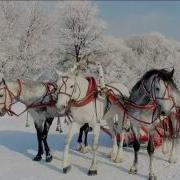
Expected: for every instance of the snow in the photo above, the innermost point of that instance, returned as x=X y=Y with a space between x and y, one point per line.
x=18 y=146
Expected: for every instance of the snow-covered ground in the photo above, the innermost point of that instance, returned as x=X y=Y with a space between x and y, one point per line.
x=18 y=145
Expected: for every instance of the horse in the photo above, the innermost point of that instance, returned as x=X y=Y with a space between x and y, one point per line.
x=153 y=96
x=85 y=108
x=40 y=103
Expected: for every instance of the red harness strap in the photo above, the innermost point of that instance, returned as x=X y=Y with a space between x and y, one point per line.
x=123 y=106
x=90 y=95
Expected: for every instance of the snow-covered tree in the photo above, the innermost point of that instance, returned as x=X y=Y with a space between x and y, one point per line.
x=24 y=38
x=134 y=55
x=79 y=31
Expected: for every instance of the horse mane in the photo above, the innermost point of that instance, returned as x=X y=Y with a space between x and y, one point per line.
x=161 y=73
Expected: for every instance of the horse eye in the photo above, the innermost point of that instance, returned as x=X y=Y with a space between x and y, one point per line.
x=157 y=89
x=71 y=86
x=1 y=95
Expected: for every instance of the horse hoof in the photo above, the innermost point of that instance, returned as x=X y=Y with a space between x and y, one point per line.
x=171 y=161
x=133 y=171
x=92 y=172
x=49 y=158
x=66 y=169
x=60 y=131
x=37 y=158
x=152 y=177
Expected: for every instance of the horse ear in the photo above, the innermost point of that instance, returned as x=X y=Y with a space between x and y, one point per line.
x=171 y=73
x=3 y=81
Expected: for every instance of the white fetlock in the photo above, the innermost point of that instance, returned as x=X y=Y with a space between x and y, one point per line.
x=85 y=149
x=79 y=147
x=113 y=156
x=119 y=159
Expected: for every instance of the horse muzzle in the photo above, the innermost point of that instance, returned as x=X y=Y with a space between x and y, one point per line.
x=163 y=113
x=62 y=108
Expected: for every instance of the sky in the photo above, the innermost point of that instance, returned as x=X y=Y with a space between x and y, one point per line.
x=126 y=18
x=136 y=17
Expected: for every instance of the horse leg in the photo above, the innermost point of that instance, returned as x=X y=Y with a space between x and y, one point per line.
x=80 y=145
x=165 y=146
x=114 y=149
x=93 y=167
x=85 y=148
x=150 y=150
x=136 y=146
x=66 y=160
x=172 y=157
x=38 y=157
x=119 y=157
x=85 y=137
x=47 y=125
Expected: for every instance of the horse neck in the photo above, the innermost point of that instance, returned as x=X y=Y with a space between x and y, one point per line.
x=29 y=92
x=138 y=97
x=13 y=87
x=82 y=83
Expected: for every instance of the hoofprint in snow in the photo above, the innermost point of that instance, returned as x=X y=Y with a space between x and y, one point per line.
x=18 y=146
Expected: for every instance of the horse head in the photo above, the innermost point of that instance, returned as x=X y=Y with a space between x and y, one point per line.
x=158 y=85
x=71 y=88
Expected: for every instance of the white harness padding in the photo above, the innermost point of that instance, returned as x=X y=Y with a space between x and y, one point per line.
x=101 y=76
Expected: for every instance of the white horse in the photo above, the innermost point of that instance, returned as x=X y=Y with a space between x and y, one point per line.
x=154 y=95
x=72 y=92
x=119 y=127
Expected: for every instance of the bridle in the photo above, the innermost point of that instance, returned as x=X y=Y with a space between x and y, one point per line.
x=11 y=95
x=152 y=94
x=64 y=85
x=153 y=105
